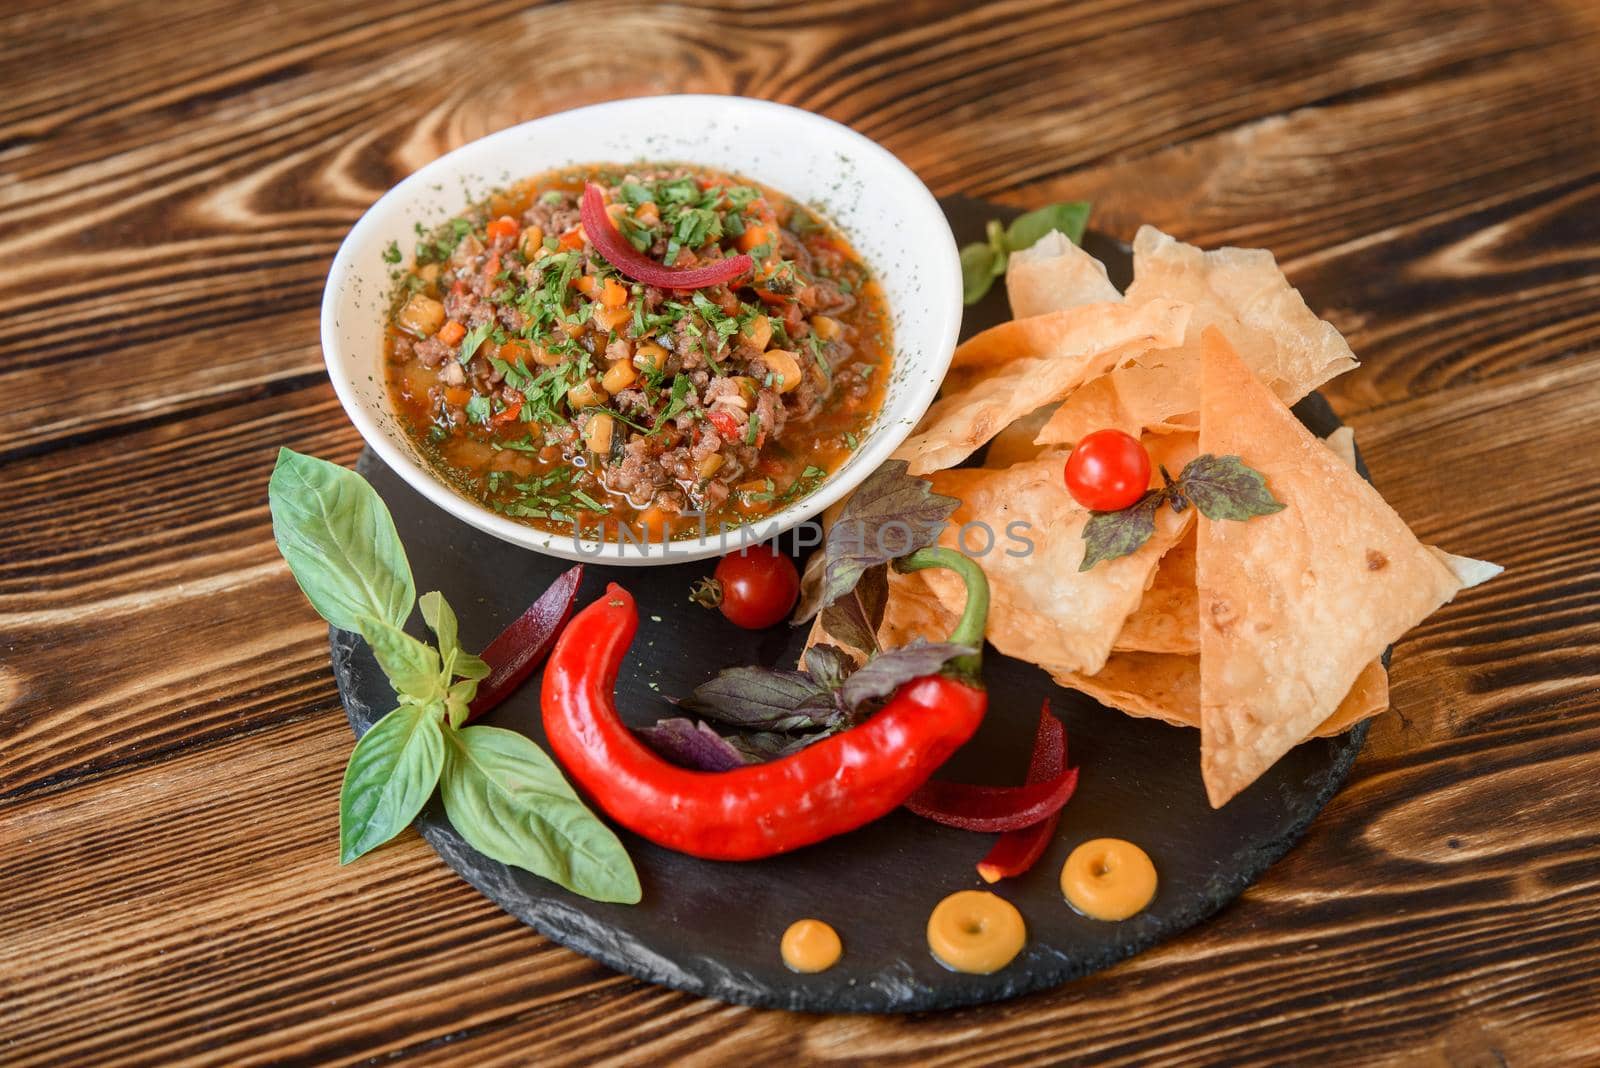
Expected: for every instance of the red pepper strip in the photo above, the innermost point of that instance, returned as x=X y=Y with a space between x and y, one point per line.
x=1017 y=851
x=523 y=645
x=1001 y=808
x=758 y=810
x=620 y=253
x=992 y=808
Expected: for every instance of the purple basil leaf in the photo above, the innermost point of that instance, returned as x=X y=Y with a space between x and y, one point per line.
x=764 y=699
x=890 y=515
x=1108 y=535
x=855 y=617
x=760 y=746
x=829 y=665
x=1224 y=487
x=691 y=745
x=888 y=671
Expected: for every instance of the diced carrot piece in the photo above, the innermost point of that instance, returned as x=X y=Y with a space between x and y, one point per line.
x=514 y=353
x=609 y=318
x=509 y=414
x=655 y=523
x=613 y=295
x=457 y=396
x=754 y=237
x=572 y=239
x=589 y=286
x=492 y=267
x=452 y=332
x=505 y=226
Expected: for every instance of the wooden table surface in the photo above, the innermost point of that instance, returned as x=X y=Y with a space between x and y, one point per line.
x=174 y=179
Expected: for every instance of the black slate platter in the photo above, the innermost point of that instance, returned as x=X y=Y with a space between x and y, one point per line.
x=713 y=928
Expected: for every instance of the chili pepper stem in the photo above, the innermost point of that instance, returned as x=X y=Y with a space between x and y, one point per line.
x=969 y=628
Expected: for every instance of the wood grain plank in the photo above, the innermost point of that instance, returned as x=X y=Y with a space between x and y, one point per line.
x=171 y=739
x=218 y=201
x=305 y=961
x=227 y=819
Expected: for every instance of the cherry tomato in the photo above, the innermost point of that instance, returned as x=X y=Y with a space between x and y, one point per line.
x=754 y=587
x=1108 y=470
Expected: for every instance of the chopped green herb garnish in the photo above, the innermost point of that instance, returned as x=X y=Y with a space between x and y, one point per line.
x=474 y=338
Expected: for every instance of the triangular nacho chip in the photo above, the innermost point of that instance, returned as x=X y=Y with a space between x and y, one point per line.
x=1055 y=274
x=1293 y=605
x=1167 y=687
x=1041 y=607
x=1241 y=292
x=1368 y=697
x=1088 y=342
x=1168 y=617
x=1343 y=443
x=1014 y=444
x=1160 y=686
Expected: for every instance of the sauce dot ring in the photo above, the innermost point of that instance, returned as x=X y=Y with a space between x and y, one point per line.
x=976 y=932
x=1108 y=879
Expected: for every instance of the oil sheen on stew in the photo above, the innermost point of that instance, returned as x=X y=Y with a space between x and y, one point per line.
x=544 y=383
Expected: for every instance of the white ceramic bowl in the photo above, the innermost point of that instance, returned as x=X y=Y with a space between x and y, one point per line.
x=889 y=215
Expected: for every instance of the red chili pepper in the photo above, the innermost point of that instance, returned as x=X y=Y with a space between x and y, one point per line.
x=1017 y=851
x=1005 y=808
x=620 y=253
x=827 y=788
x=523 y=645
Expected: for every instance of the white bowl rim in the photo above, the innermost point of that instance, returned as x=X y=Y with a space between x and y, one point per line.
x=869 y=456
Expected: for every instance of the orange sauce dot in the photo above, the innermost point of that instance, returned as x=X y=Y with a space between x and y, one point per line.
x=810 y=946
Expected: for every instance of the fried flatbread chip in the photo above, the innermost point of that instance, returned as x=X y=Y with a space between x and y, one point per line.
x=1014 y=444
x=914 y=611
x=1088 y=342
x=1055 y=274
x=1294 y=605
x=1343 y=443
x=1239 y=291
x=1162 y=686
x=1168 y=617
x=1041 y=607
x=1167 y=687
x=1368 y=697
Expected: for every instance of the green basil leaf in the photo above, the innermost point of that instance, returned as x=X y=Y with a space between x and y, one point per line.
x=1070 y=218
x=1109 y=535
x=441 y=619
x=508 y=799
x=458 y=701
x=1224 y=487
x=339 y=541
x=980 y=266
x=413 y=667
x=390 y=776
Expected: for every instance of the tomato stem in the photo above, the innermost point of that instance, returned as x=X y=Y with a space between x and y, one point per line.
x=969 y=628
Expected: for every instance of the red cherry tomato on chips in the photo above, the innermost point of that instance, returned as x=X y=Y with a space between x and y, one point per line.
x=754 y=587
x=1108 y=470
